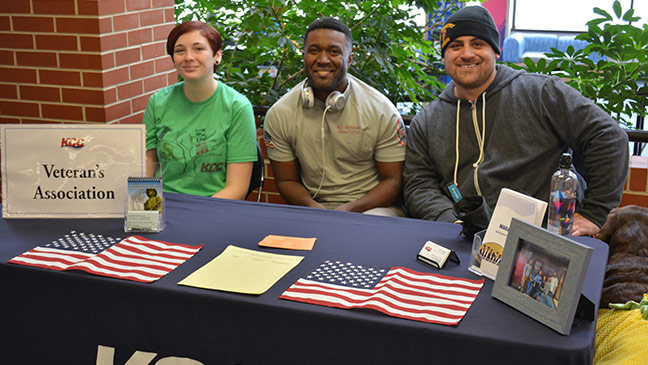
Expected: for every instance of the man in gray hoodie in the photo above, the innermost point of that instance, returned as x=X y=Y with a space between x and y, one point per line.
x=494 y=127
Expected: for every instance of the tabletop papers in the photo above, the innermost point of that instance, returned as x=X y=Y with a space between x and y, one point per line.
x=397 y=291
x=289 y=243
x=241 y=270
x=133 y=258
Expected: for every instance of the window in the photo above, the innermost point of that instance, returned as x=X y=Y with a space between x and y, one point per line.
x=565 y=15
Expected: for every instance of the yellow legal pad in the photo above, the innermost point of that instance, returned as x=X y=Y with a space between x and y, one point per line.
x=241 y=270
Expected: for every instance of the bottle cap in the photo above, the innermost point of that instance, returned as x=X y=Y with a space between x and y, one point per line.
x=565 y=161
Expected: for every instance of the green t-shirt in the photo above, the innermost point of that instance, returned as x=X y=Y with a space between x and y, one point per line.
x=196 y=141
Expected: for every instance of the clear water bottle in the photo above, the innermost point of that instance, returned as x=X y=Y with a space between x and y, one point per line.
x=562 y=199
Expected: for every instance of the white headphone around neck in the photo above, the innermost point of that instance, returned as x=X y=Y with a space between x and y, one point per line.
x=334 y=102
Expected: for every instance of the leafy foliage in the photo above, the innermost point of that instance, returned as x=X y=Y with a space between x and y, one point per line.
x=262 y=53
x=617 y=83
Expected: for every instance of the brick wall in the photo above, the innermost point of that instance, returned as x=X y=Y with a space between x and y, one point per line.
x=82 y=61
x=635 y=190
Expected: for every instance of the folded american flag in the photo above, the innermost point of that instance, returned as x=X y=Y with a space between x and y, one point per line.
x=134 y=258
x=398 y=292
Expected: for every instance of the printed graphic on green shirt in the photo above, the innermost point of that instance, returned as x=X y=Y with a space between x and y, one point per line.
x=192 y=153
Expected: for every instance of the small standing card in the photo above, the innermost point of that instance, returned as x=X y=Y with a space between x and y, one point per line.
x=144 y=205
x=436 y=255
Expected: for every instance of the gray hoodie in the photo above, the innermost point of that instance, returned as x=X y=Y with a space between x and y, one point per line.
x=530 y=119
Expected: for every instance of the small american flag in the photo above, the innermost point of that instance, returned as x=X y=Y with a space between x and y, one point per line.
x=397 y=292
x=134 y=258
x=268 y=140
x=66 y=251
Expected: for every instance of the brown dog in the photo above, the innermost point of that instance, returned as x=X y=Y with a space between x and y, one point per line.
x=626 y=274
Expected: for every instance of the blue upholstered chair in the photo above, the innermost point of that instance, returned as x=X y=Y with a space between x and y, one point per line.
x=521 y=45
x=534 y=45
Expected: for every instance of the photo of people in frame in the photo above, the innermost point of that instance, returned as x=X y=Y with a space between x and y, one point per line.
x=538 y=274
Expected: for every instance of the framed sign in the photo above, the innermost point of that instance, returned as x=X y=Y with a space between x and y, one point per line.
x=541 y=274
x=69 y=170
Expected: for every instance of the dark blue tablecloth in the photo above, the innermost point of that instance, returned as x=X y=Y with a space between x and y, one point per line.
x=50 y=317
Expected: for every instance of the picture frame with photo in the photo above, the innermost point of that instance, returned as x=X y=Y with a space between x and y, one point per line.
x=541 y=274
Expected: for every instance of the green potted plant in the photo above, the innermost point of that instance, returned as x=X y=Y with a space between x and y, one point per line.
x=262 y=55
x=617 y=82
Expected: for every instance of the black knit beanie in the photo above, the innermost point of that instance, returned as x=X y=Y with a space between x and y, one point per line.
x=471 y=20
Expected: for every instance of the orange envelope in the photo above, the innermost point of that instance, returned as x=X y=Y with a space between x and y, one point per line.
x=290 y=243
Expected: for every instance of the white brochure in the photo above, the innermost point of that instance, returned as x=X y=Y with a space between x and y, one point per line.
x=487 y=253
